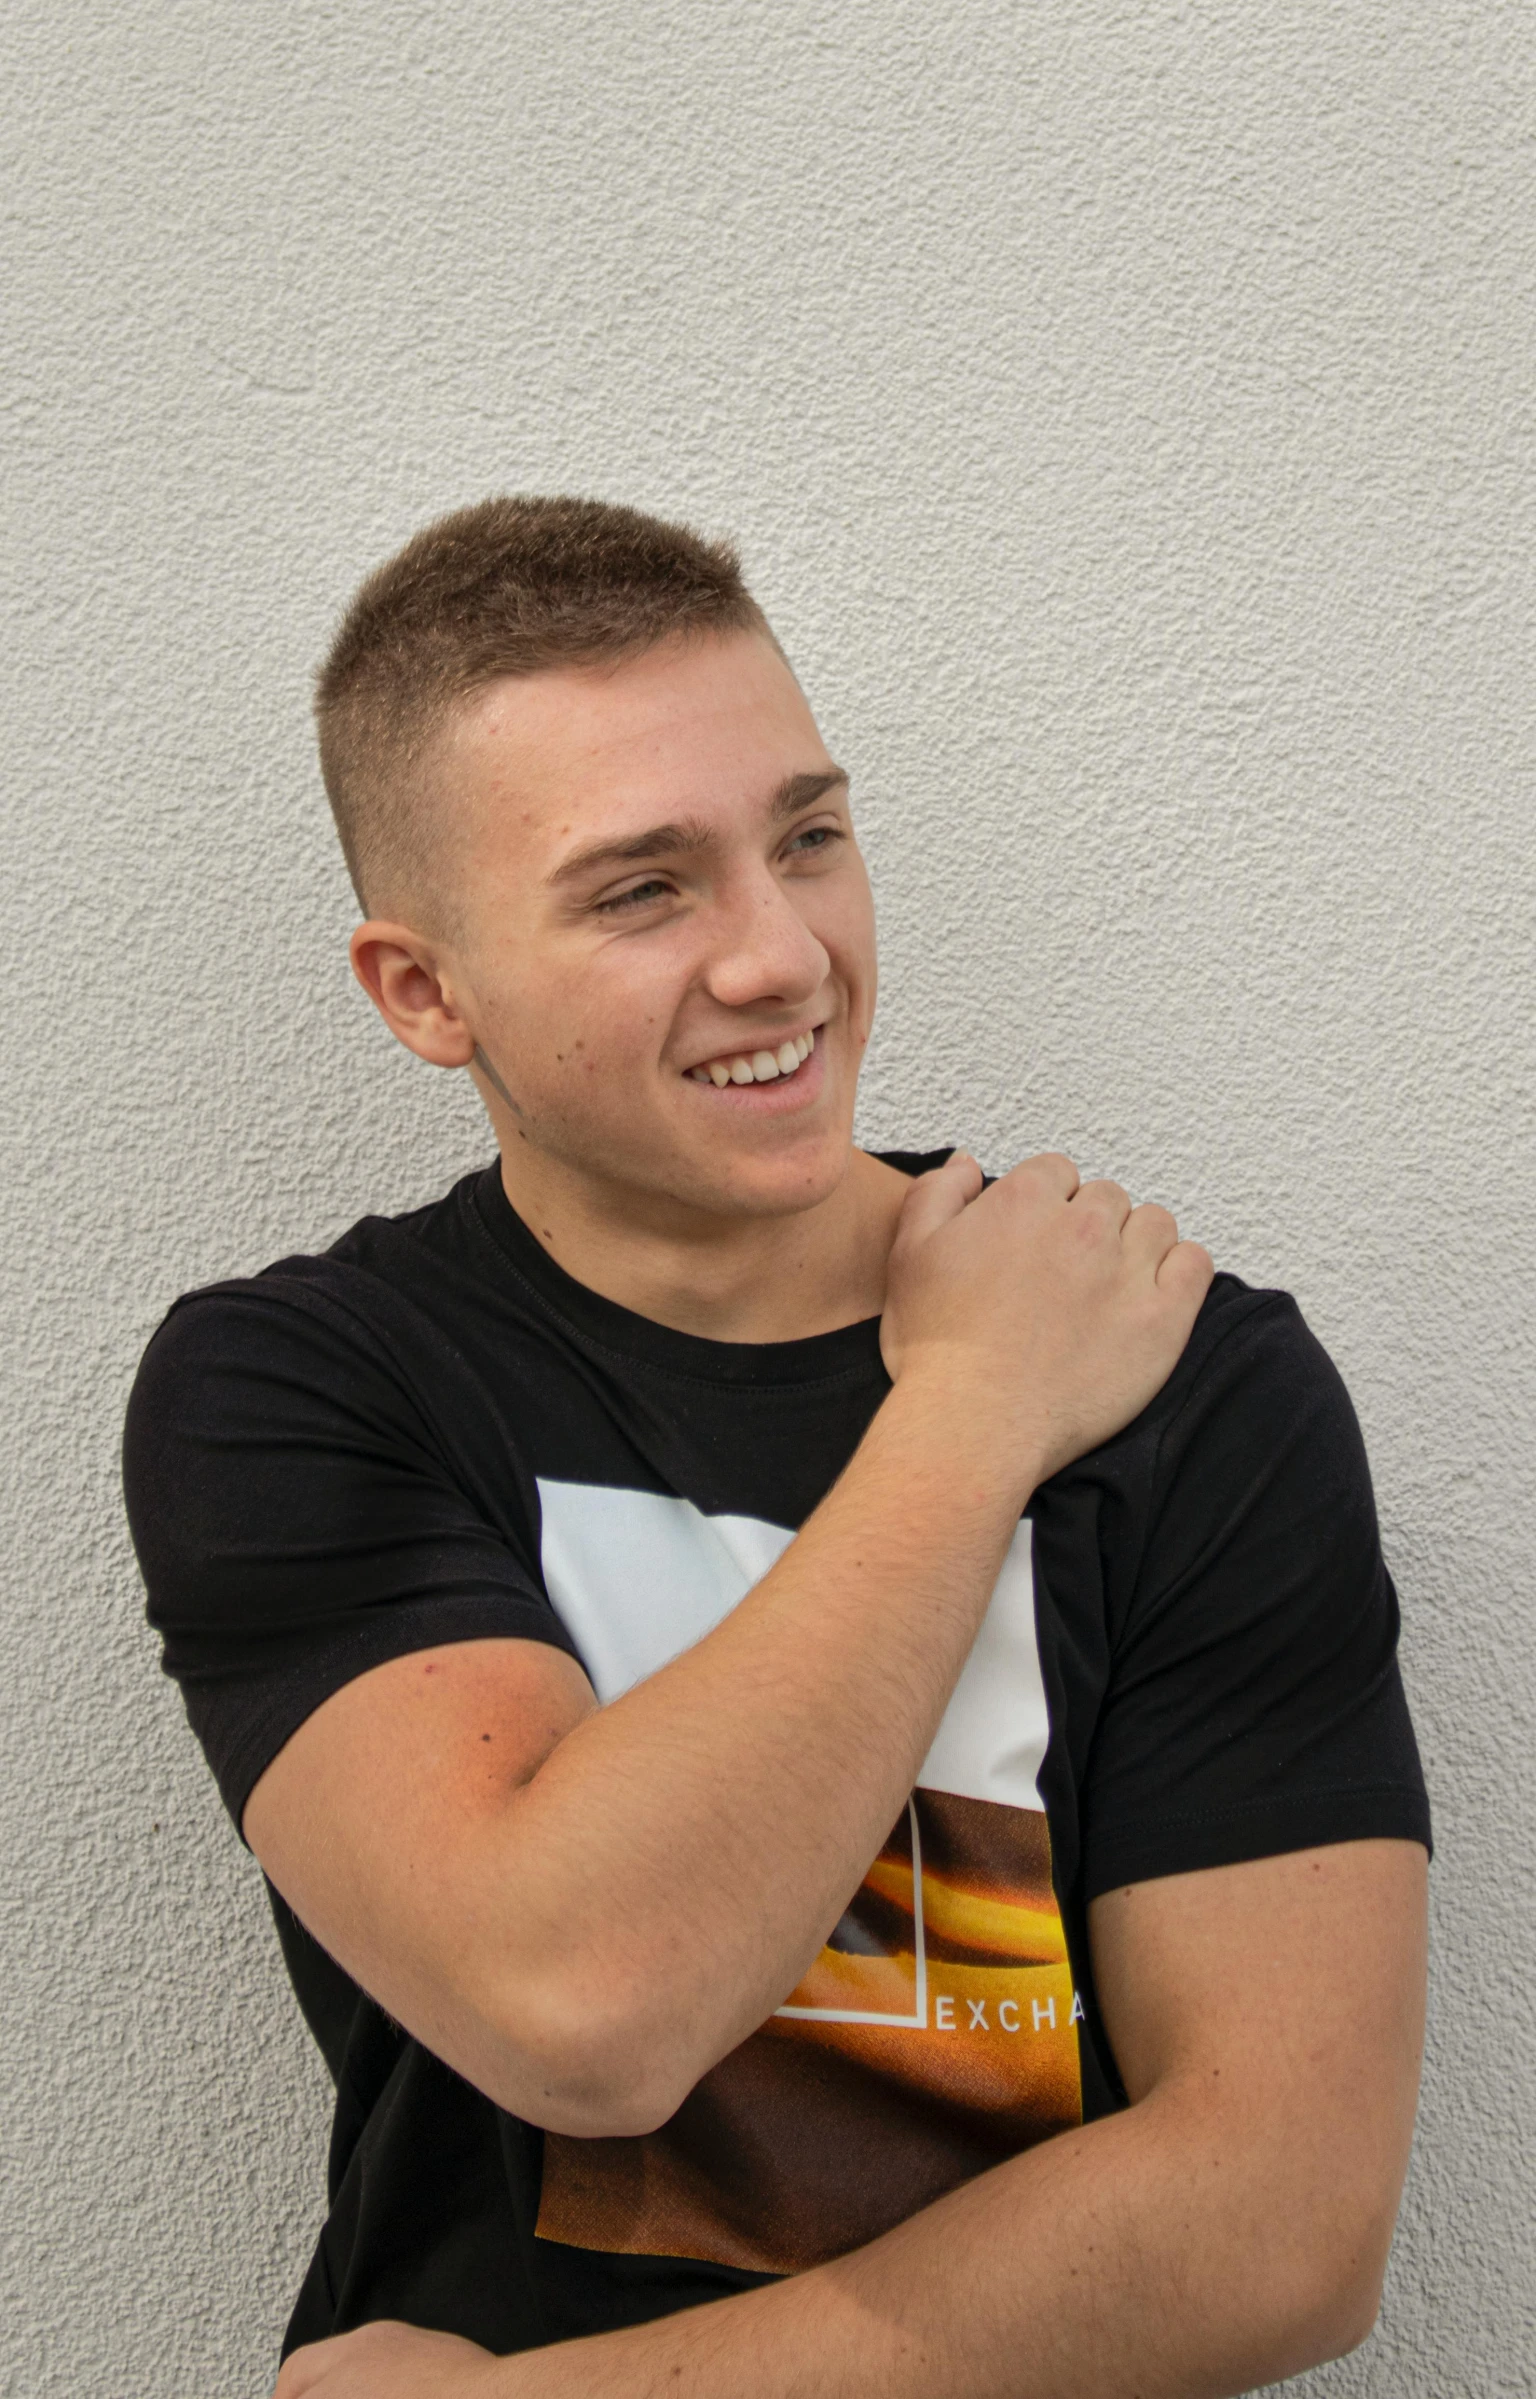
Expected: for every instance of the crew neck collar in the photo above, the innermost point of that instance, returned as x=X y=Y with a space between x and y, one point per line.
x=849 y=1350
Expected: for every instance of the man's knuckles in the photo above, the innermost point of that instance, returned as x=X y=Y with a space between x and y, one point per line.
x=1102 y=1198
x=1151 y=1230
x=1187 y=1270
x=1056 y=1170
x=1036 y=1182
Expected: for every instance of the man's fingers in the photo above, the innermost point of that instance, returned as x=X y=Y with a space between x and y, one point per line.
x=1149 y=1233
x=944 y=1192
x=1182 y=1270
x=1110 y=1199
x=1052 y=1169
x=1186 y=1272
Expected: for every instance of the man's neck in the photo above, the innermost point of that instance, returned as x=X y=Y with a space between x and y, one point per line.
x=724 y=1278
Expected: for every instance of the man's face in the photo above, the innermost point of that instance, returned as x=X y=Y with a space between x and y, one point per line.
x=660 y=879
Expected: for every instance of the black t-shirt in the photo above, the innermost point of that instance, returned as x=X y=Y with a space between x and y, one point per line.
x=433 y=1434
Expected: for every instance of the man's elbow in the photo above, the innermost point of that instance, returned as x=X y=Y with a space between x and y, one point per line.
x=1343 y=2314
x=584 y=2064
x=1329 y=2302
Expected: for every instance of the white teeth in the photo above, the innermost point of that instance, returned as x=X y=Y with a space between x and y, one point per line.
x=758 y=1066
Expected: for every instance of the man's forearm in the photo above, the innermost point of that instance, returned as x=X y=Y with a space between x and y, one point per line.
x=1229 y=2229
x=727 y=1806
x=1147 y=2256
x=532 y=1885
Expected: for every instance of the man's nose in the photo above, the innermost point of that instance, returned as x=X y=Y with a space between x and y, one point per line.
x=764 y=950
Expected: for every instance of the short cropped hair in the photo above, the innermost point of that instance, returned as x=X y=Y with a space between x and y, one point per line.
x=505 y=587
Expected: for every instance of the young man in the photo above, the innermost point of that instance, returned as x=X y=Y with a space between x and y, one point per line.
x=826 y=1738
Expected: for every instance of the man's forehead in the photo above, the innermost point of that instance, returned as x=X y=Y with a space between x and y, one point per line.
x=578 y=751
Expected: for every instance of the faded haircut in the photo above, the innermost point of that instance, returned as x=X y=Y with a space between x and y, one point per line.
x=506 y=587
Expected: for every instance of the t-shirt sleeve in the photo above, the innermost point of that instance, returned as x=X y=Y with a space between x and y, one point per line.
x=296 y=1520
x=1254 y=1704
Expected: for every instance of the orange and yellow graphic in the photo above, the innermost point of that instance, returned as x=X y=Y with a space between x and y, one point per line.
x=935 y=2036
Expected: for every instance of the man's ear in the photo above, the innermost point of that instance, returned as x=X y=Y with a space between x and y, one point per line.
x=404 y=974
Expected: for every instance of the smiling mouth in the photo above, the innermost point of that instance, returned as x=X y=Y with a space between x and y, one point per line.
x=756 y=1066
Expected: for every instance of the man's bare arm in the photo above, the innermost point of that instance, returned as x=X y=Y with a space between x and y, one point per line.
x=527 y=1882
x=1230 y=2228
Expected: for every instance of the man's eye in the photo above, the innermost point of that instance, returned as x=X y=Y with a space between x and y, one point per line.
x=639 y=895
x=812 y=840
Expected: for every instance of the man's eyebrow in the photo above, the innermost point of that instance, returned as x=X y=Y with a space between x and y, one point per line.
x=795 y=793
x=657 y=841
x=803 y=791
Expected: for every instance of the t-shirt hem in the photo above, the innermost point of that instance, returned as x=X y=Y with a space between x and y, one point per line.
x=328 y=1668
x=1235 y=1836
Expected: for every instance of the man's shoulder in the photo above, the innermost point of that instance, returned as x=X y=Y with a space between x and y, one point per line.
x=1255 y=1389
x=375 y=1255
x=1242 y=1329
x=317 y=1320
x=1245 y=1337
x=1255 y=1366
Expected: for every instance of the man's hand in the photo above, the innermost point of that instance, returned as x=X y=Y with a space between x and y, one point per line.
x=391 y=2361
x=1051 y=1310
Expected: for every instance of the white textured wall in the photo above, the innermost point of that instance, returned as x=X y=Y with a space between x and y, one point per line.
x=1127 y=413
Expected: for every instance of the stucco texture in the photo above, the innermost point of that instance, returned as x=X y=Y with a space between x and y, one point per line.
x=1125 y=411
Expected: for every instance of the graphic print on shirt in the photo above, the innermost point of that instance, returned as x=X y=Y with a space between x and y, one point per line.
x=936 y=2033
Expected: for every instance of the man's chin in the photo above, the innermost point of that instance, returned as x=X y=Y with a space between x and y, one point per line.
x=753 y=1178
x=724 y=1177
x=752 y=1183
